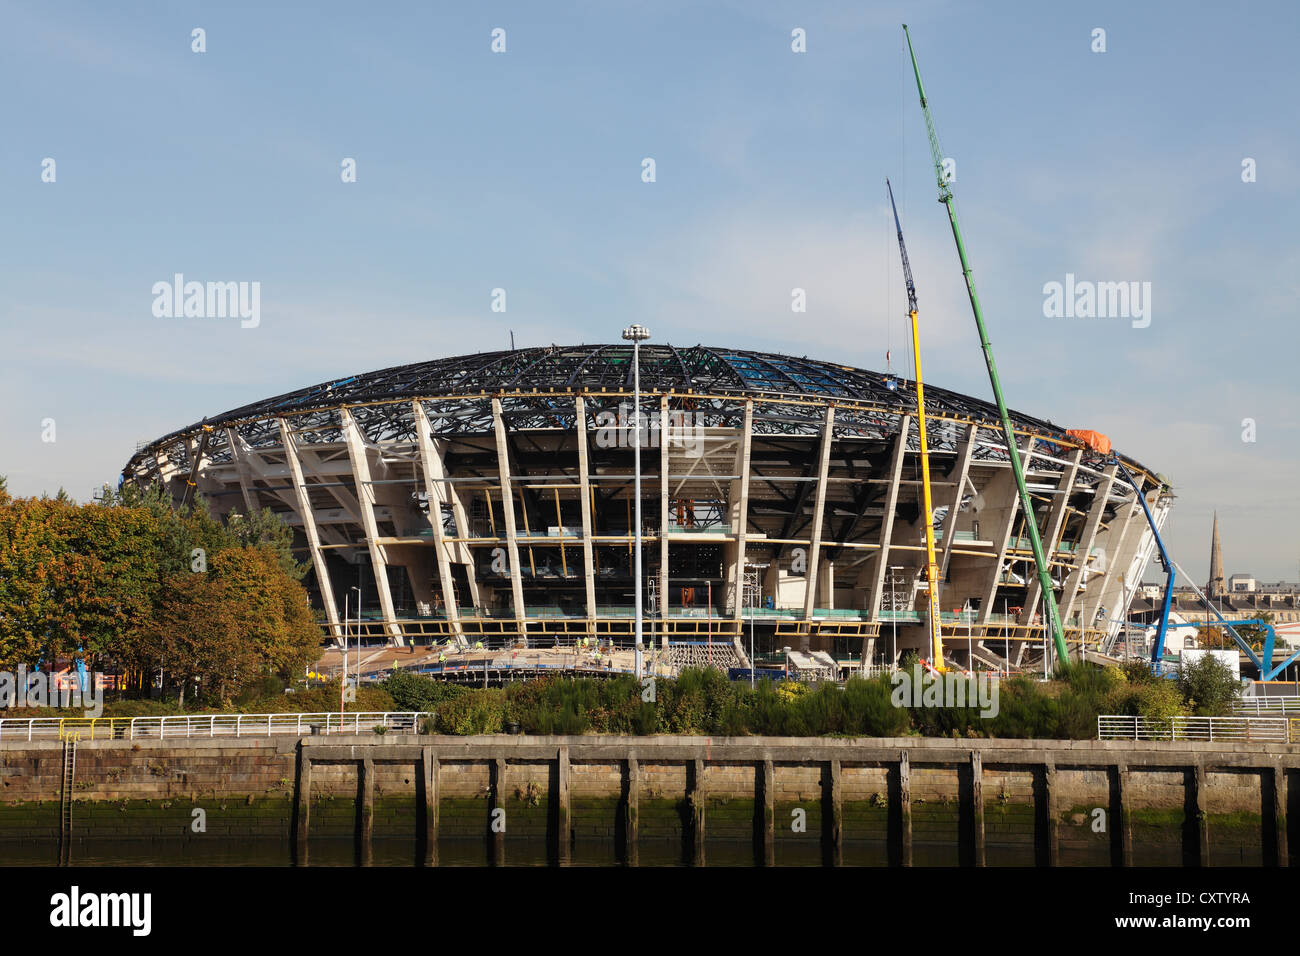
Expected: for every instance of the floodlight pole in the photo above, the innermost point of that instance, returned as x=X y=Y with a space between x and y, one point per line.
x=893 y=619
x=345 y=649
x=636 y=334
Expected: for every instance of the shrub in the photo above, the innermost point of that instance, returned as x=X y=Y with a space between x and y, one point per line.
x=1208 y=687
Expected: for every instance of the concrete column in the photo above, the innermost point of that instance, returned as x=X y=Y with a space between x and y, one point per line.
x=697 y=812
x=435 y=473
x=819 y=509
x=631 y=819
x=740 y=509
x=309 y=528
x=508 y=508
x=584 y=491
x=977 y=806
x=235 y=443
x=887 y=522
x=563 y=825
x=462 y=549
x=1069 y=592
x=1109 y=586
x=905 y=806
x=1052 y=533
x=360 y=460
x=1002 y=538
x=965 y=451
x=429 y=776
x=769 y=813
x=836 y=814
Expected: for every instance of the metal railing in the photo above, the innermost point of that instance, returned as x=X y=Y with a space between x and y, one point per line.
x=203 y=725
x=1267 y=705
x=1254 y=729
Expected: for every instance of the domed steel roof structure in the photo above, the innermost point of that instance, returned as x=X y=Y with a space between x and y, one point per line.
x=491 y=496
x=593 y=368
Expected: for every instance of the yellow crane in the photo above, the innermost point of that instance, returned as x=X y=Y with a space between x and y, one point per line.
x=931 y=565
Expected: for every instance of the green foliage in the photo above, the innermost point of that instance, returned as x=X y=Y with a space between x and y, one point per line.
x=1208 y=687
x=119 y=583
x=412 y=692
x=1139 y=672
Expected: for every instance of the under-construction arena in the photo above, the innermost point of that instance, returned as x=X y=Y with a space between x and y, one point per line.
x=489 y=499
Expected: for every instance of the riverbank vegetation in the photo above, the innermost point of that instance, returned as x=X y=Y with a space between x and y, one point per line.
x=130 y=585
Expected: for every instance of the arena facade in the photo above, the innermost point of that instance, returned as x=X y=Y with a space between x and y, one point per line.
x=489 y=497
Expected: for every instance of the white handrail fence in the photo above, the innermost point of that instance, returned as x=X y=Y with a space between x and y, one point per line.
x=206 y=725
x=1253 y=729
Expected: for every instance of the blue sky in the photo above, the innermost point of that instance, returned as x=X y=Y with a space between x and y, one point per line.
x=522 y=170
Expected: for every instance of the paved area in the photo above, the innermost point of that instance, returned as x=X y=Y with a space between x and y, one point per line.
x=379 y=659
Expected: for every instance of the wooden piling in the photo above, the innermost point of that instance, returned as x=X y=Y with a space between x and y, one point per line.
x=905 y=806
x=367 y=768
x=697 y=813
x=1049 y=816
x=497 y=824
x=769 y=814
x=1197 y=783
x=303 y=809
x=1121 y=814
x=1281 y=851
x=429 y=776
x=977 y=807
x=837 y=814
x=563 y=824
x=631 y=811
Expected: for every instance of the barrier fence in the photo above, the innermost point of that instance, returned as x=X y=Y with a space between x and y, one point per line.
x=1267 y=705
x=1256 y=729
x=204 y=725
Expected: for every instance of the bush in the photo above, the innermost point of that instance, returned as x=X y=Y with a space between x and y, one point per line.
x=412 y=692
x=1208 y=687
x=481 y=711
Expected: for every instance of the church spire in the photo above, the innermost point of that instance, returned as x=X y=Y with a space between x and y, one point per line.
x=1218 y=585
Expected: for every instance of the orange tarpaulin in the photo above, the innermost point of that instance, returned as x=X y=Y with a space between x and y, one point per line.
x=1094 y=440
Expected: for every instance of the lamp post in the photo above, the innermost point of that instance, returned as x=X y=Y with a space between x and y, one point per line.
x=343 y=684
x=786 y=651
x=893 y=619
x=636 y=334
x=970 y=650
x=345 y=650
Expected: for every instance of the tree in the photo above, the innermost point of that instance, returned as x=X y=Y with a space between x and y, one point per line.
x=265 y=529
x=1208 y=686
x=274 y=609
x=196 y=636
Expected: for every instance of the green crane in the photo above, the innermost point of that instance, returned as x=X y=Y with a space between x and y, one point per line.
x=1013 y=451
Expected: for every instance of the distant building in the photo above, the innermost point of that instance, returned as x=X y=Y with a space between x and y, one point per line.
x=1216 y=586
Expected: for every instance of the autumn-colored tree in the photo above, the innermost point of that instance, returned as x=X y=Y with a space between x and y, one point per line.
x=275 y=609
x=196 y=636
x=130 y=580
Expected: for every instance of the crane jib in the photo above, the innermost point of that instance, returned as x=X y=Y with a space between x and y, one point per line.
x=1014 y=451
